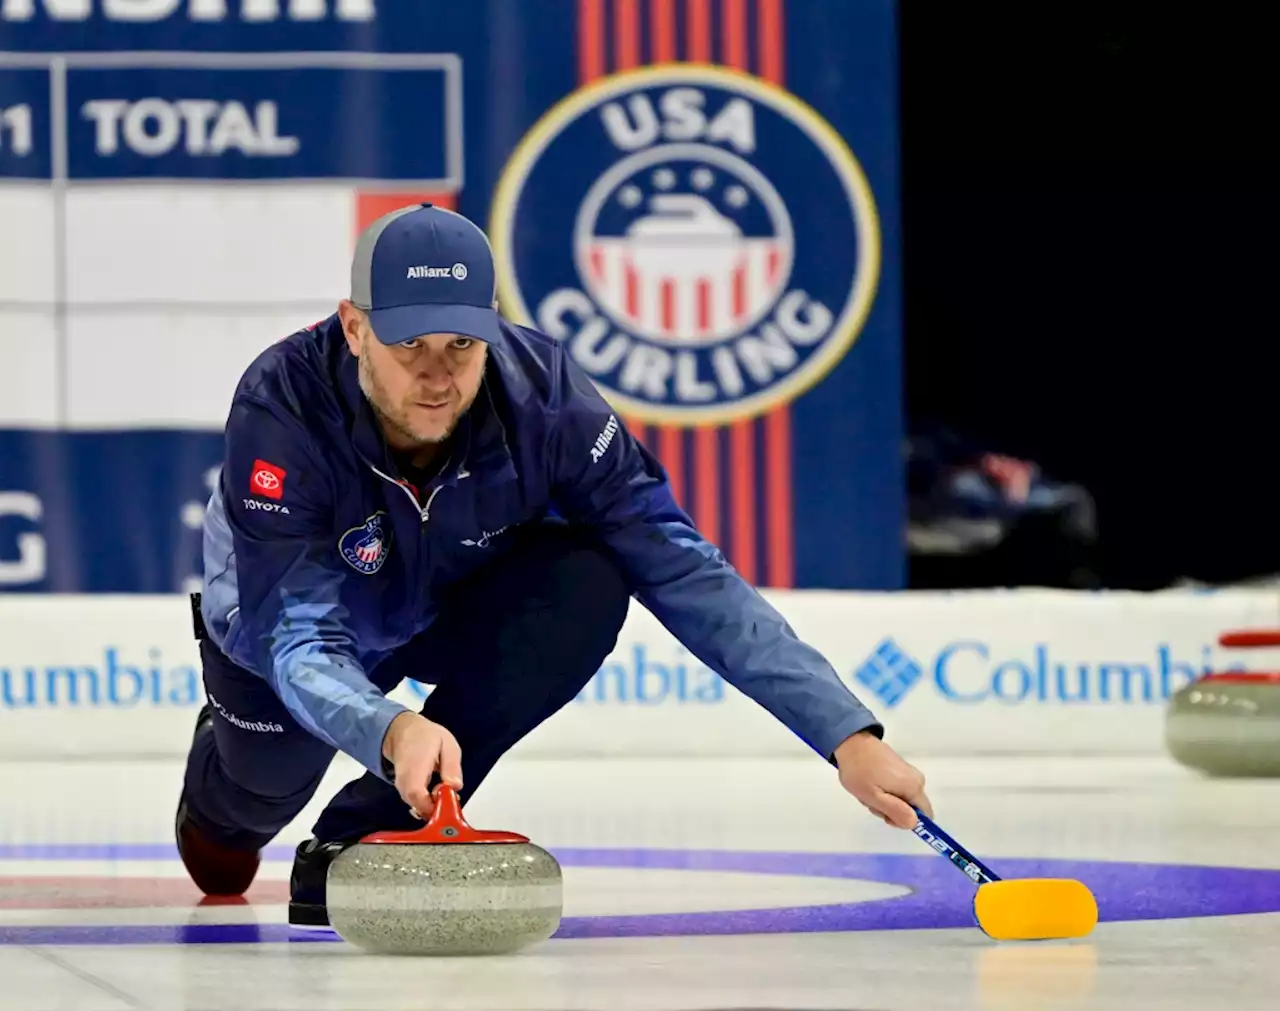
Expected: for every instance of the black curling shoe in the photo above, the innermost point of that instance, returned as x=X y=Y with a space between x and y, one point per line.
x=307 y=882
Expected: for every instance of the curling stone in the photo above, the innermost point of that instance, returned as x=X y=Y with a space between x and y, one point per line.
x=1227 y=725
x=444 y=889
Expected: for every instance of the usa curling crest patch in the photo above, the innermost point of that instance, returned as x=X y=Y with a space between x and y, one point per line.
x=703 y=242
x=365 y=547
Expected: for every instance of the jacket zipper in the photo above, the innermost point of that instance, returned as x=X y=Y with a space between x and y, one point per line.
x=423 y=510
x=426 y=509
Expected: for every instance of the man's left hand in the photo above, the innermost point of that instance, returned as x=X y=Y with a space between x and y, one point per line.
x=881 y=780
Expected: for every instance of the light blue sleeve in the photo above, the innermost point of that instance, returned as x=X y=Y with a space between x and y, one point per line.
x=606 y=479
x=291 y=626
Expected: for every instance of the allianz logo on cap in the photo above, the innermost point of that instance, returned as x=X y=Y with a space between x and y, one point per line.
x=458 y=272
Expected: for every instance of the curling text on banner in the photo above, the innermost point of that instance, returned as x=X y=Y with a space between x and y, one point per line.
x=1031 y=672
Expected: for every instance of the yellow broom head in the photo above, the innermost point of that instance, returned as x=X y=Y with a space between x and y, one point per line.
x=1035 y=909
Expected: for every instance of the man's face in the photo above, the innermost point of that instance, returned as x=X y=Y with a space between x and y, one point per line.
x=419 y=389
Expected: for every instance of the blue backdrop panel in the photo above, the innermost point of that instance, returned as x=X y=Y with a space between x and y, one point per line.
x=103 y=512
x=585 y=135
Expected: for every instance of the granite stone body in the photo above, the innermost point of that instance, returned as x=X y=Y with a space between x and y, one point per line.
x=445 y=899
x=1226 y=727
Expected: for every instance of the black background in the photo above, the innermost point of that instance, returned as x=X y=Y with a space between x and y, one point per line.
x=1091 y=202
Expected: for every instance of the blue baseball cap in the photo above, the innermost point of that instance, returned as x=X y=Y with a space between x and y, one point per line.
x=423 y=269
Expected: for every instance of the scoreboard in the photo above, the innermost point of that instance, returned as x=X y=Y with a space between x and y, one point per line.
x=143 y=117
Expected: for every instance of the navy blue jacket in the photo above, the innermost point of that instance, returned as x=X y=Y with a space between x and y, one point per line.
x=319 y=560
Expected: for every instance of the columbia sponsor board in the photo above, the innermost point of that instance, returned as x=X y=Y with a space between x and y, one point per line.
x=966 y=673
x=1032 y=671
x=83 y=676
x=1028 y=671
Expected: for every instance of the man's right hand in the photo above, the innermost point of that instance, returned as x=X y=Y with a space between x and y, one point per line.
x=417 y=748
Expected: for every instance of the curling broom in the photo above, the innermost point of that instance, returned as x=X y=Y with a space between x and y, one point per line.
x=1023 y=909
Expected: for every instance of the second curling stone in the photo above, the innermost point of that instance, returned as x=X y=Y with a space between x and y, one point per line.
x=1227 y=725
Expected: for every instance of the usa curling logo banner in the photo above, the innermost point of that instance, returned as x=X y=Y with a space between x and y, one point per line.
x=686 y=283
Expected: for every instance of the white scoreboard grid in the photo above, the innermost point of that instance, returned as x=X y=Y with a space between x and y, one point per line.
x=164 y=207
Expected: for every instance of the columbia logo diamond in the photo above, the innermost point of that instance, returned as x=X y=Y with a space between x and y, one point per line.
x=889 y=672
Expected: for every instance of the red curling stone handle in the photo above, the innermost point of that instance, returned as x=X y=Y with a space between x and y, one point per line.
x=1250 y=638
x=446 y=825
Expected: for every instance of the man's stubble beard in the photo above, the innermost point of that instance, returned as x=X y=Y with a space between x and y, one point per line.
x=376 y=396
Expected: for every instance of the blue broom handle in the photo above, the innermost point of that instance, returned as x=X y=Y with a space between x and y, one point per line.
x=974 y=868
